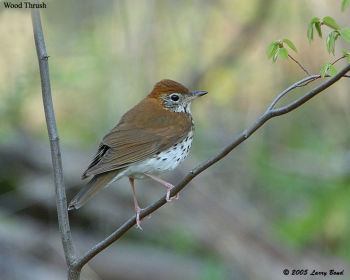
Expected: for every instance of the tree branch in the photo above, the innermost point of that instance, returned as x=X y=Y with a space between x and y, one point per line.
x=340 y=58
x=269 y=113
x=299 y=64
x=300 y=83
x=61 y=200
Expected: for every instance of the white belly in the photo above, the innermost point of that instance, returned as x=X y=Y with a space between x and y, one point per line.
x=164 y=161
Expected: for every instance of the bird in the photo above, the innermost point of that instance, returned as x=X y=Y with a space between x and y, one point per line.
x=153 y=137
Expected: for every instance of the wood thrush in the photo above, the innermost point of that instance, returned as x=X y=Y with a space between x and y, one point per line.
x=153 y=137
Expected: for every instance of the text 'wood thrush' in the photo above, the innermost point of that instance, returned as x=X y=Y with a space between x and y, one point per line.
x=153 y=137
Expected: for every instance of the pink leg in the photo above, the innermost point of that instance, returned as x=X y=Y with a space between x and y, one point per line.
x=166 y=184
x=137 y=207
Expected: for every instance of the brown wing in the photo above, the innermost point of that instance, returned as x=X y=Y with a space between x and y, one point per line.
x=142 y=132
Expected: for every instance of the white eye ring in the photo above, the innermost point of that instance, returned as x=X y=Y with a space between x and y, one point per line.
x=174 y=97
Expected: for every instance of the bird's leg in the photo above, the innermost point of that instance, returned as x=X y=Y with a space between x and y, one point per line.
x=166 y=184
x=137 y=207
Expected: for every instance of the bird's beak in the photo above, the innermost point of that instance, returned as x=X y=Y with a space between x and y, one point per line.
x=198 y=93
x=194 y=95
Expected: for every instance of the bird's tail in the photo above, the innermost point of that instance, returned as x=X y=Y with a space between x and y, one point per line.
x=97 y=183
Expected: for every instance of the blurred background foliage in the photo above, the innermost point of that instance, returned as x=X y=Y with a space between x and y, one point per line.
x=285 y=191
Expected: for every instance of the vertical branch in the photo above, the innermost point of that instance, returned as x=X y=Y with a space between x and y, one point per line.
x=61 y=200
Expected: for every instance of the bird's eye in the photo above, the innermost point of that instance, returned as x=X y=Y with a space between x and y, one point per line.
x=174 y=97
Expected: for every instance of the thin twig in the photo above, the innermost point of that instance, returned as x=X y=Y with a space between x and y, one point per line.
x=308 y=82
x=61 y=200
x=290 y=107
x=301 y=66
x=317 y=77
x=269 y=113
x=297 y=84
x=335 y=61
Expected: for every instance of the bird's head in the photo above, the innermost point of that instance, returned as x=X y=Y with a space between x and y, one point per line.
x=174 y=96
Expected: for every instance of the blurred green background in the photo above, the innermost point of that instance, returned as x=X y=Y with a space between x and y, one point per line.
x=280 y=200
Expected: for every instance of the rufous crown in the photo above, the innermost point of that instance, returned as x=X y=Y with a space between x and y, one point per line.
x=167 y=86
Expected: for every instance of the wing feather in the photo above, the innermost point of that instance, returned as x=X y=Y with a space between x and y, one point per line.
x=142 y=132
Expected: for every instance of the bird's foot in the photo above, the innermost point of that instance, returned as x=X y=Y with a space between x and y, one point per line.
x=169 y=188
x=138 y=220
x=166 y=184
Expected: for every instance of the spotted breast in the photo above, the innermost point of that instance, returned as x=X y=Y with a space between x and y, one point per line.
x=162 y=161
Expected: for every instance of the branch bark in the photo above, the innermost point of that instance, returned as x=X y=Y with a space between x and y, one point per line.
x=75 y=264
x=61 y=200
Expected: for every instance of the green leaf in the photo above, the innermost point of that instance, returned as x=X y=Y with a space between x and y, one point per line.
x=328 y=69
x=272 y=49
x=330 y=22
x=310 y=32
x=332 y=70
x=315 y=19
x=344 y=5
x=345 y=33
x=336 y=36
x=318 y=28
x=283 y=53
x=324 y=69
x=346 y=54
x=330 y=42
x=290 y=44
x=276 y=55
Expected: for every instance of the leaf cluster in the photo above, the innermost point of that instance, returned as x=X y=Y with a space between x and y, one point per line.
x=277 y=48
x=332 y=36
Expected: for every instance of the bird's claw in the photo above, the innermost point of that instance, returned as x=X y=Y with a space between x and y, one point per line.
x=168 y=198
x=138 y=220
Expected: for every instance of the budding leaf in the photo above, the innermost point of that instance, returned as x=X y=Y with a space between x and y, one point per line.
x=318 y=28
x=344 y=5
x=272 y=49
x=345 y=33
x=310 y=32
x=330 y=41
x=324 y=69
x=330 y=22
x=290 y=44
x=276 y=55
x=346 y=54
x=332 y=70
x=315 y=19
x=283 y=53
x=328 y=69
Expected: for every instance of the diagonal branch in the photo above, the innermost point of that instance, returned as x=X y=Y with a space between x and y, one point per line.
x=269 y=113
